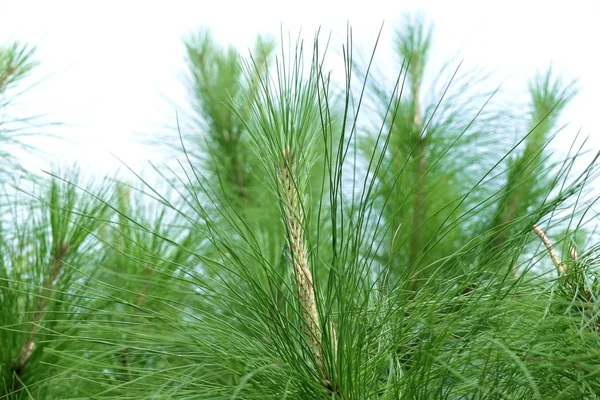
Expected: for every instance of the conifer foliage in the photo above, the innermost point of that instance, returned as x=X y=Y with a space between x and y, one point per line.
x=366 y=237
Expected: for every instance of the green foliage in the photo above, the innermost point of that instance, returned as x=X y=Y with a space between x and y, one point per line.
x=216 y=82
x=16 y=63
x=389 y=242
x=45 y=248
x=528 y=183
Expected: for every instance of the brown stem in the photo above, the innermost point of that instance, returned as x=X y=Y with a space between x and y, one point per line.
x=560 y=266
x=41 y=307
x=4 y=77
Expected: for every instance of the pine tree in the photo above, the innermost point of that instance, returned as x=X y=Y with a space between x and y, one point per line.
x=367 y=239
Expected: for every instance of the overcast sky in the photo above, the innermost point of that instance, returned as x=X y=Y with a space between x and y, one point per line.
x=108 y=68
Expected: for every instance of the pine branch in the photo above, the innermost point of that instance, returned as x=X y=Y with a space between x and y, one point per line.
x=560 y=266
x=16 y=62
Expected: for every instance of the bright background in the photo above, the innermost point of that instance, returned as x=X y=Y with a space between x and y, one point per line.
x=113 y=70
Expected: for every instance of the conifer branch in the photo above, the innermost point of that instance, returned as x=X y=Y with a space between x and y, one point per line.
x=40 y=311
x=560 y=266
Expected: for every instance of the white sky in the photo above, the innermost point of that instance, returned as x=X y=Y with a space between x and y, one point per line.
x=107 y=67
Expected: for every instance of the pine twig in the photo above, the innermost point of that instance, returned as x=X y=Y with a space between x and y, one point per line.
x=40 y=309
x=294 y=219
x=560 y=266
